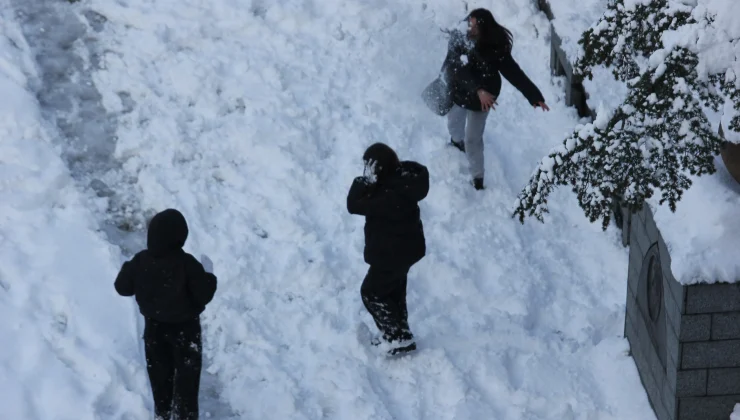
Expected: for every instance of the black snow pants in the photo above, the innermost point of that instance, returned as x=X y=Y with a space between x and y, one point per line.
x=174 y=357
x=384 y=295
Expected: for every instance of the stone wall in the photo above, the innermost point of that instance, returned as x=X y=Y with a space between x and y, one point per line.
x=655 y=303
x=710 y=362
x=685 y=340
x=575 y=93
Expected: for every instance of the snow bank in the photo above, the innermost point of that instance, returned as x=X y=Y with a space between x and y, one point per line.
x=702 y=235
x=69 y=349
x=572 y=18
x=717 y=45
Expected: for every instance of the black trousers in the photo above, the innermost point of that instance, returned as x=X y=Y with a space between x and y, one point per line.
x=384 y=294
x=174 y=357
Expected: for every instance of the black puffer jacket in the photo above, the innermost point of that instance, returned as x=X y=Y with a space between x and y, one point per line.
x=170 y=285
x=466 y=70
x=394 y=233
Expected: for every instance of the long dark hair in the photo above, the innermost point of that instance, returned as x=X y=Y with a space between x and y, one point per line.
x=491 y=35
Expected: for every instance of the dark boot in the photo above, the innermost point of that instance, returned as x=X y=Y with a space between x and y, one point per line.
x=460 y=145
x=478 y=184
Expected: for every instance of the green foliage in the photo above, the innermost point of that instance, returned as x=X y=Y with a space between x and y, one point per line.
x=656 y=140
x=733 y=92
x=622 y=34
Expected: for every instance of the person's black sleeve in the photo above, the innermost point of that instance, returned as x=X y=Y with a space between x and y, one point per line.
x=363 y=199
x=202 y=285
x=124 y=283
x=510 y=69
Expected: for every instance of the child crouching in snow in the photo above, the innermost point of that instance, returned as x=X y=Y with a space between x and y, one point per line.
x=388 y=196
x=172 y=289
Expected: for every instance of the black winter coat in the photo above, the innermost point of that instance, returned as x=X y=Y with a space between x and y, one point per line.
x=169 y=284
x=481 y=71
x=394 y=233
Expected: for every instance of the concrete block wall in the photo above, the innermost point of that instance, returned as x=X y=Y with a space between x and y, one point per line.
x=653 y=327
x=710 y=341
x=688 y=355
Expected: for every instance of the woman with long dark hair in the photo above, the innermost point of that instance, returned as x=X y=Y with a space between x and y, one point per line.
x=473 y=67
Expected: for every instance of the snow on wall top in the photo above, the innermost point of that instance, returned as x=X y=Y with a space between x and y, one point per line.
x=702 y=236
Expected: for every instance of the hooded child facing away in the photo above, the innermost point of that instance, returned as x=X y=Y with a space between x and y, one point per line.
x=172 y=289
x=388 y=196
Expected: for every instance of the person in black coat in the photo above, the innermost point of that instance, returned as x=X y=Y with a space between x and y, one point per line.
x=472 y=69
x=388 y=195
x=172 y=289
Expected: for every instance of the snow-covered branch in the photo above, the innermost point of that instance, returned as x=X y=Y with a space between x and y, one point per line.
x=660 y=136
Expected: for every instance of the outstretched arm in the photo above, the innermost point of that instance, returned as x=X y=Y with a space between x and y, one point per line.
x=516 y=76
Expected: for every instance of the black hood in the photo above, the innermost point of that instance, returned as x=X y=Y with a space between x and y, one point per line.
x=410 y=179
x=168 y=232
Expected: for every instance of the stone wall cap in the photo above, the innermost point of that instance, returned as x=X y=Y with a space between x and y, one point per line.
x=703 y=235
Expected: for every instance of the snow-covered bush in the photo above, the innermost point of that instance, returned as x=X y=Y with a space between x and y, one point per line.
x=679 y=60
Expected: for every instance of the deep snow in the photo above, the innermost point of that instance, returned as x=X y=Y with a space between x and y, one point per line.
x=252 y=119
x=701 y=235
x=572 y=18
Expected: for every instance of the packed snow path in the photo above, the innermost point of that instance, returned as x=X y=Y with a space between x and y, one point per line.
x=251 y=118
x=67 y=52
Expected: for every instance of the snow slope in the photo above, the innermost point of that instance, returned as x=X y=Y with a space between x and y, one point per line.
x=68 y=350
x=572 y=18
x=251 y=118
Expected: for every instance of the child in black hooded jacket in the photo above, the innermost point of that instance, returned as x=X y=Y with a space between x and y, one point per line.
x=172 y=289
x=388 y=196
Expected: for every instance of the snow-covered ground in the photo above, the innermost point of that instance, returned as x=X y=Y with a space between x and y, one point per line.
x=251 y=118
x=67 y=350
